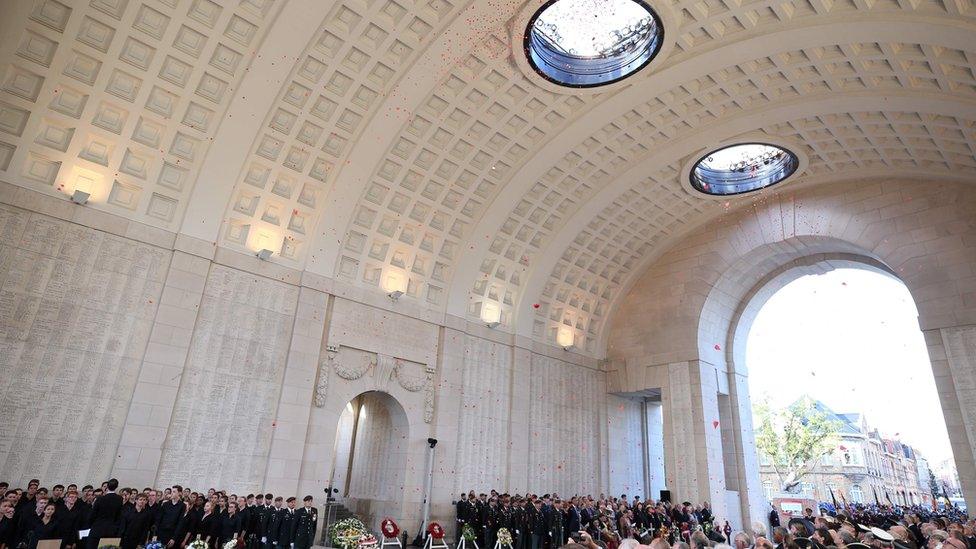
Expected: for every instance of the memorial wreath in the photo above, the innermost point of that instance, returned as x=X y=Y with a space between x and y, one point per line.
x=367 y=540
x=468 y=533
x=154 y=544
x=435 y=530
x=347 y=533
x=389 y=528
x=504 y=537
x=198 y=544
x=232 y=544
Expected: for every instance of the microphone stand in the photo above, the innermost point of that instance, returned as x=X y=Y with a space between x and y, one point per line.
x=428 y=486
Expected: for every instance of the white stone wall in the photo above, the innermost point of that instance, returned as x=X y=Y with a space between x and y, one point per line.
x=76 y=309
x=220 y=433
x=626 y=443
x=565 y=453
x=484 y=438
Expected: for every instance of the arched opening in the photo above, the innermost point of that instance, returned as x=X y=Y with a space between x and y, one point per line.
x=370 y=456
x=843 y=331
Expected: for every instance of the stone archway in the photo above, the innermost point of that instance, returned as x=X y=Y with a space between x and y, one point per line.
x=676 y=327
x=369 y=464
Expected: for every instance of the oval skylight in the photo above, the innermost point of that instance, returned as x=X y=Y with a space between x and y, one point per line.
x=742 y=168
x=586 y=43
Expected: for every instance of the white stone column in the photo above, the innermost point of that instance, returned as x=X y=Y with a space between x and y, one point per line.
x=655 y=449
x=692 y=440
x=297 y=393
x=147 y=421
x=952 y=352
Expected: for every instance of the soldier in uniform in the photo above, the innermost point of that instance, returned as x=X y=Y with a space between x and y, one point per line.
x=274 y=524
x=461 y=514
x=264 y=516
x=289 y=522
x=308 y=517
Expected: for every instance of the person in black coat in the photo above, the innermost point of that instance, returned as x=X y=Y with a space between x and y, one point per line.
x=286 y=530
x=274 y=524
x=187 y=526
x=72 y=514
x=42 y=527
x=106 y=513
x=168 y=519
x=230 y=524
x=264 y=516
x=136 y=521
x=8 y=526
x=206 y=525
x=305 y=529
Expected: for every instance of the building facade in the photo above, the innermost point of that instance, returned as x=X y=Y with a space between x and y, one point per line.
x=864 y=467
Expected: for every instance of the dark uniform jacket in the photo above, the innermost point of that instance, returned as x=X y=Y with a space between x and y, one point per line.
x=229 y=526
x=274 y=524
x=135 y=527
x=287 y=527
x=168 y=519
x=305 y=529
x=106 y=514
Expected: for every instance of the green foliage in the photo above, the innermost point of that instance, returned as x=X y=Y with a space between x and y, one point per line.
x=794 y=438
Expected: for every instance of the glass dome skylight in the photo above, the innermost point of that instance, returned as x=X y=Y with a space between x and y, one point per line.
x=742 y=168
x=586 y=43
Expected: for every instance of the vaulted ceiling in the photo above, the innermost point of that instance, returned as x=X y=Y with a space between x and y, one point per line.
x=364 y=139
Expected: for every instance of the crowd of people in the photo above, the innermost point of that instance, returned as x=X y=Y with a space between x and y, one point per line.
x=175 y=517
x=180 y=518
x=550 y=522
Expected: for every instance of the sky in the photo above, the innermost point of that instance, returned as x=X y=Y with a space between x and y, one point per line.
x=850 y=339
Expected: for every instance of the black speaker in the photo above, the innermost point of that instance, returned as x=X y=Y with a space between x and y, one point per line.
x=666 y=495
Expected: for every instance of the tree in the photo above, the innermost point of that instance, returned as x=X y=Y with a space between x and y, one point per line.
x=795 y=438
x=933 y=486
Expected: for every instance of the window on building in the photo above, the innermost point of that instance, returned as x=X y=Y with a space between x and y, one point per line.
x=827 y=460
x=586 y=43
x=742 y=168
x=856 y=495
x=806 y=488
x=768 y=489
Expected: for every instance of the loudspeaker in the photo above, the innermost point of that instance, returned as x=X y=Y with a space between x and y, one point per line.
x=666 y=495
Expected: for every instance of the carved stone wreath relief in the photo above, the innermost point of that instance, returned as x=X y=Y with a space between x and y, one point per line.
x=351 y=364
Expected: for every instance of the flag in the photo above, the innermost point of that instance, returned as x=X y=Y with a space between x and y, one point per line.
x=887 y=497
x=832 y=498
x=875 y=490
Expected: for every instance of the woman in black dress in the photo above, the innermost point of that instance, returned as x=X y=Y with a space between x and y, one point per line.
x=44 y=527
x=230 y=524
x=207 y=525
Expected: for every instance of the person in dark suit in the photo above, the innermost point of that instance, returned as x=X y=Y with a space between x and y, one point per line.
x=274 y=524
x=106 y=513
x=461 y=514
x=206 y=525
x=168 y=519
x=264 y=517
x=136 y=521
x=230 y=524
x=43 y=527
x=572 y=519
x=308 y=517
x=286 y=530
x=72 y=514
x=187 y=526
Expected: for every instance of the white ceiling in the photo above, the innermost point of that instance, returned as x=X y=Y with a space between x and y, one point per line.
x=367 y=137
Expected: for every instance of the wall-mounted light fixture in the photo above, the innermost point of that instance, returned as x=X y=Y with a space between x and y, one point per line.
x=80 y=197
x=395 y=284
x=565 y=337
x=264 y=254
x=491 y=314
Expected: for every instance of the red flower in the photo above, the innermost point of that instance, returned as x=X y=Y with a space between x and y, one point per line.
x=435 y=531
x=390 y=528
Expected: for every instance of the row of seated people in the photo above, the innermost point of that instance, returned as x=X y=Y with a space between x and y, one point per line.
x=175 y=517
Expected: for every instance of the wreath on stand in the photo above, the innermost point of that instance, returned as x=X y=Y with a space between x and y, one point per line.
x=389 y=528
x=232 y=544
x=435 y=530
x=367 y=540
x=154 y=544
x=504 y=537
x=347 y=533
x=198 y=544
x=468 y=533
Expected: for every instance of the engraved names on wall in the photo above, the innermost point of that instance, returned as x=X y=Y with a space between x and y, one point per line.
x=220 y=434
x=76 y=310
